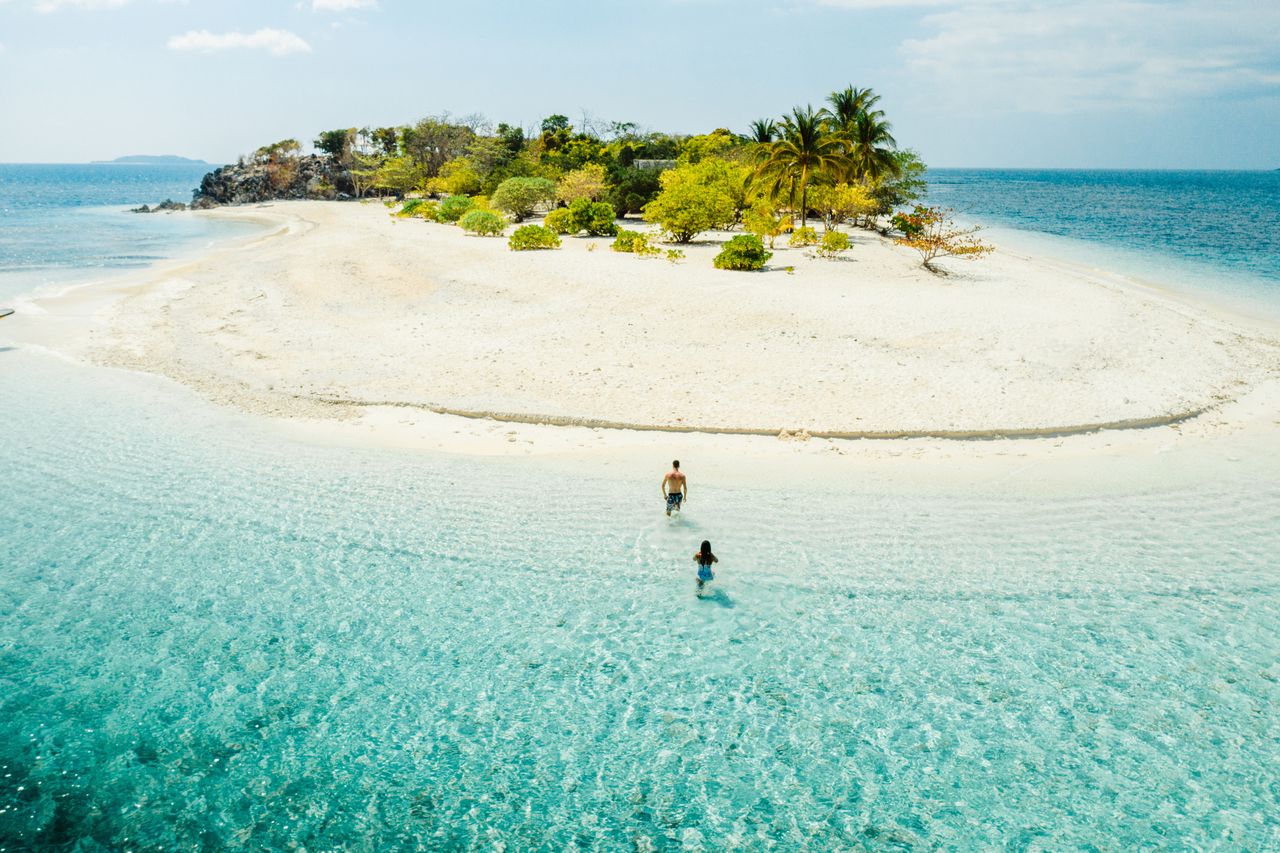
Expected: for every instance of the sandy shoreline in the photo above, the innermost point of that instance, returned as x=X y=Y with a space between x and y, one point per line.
x=341 y=313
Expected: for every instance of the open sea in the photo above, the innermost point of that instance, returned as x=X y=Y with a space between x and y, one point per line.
x=215 y=637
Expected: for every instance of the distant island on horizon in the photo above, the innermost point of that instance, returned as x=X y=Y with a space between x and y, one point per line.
x=152 y=160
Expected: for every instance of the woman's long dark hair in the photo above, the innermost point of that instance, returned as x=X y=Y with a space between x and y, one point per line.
x=705 y=556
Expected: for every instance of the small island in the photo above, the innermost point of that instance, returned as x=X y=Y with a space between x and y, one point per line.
x=151 y=160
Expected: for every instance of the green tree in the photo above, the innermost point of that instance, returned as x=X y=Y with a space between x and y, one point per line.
x=717 y=143
x=521 y=196
x=694 y=198
x=386 y=140
x=457 y=177
x=850 y=103
x=805 y=148
x=903 y=186
x=398 y=175
x=871 y=144
x=587 y=182
x=337 y=145
x=434 y=141
x=837 y=203
x=763 y=130
x=555 y=123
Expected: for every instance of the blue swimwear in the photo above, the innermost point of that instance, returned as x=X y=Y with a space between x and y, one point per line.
x=704 y=572
x=674 y=499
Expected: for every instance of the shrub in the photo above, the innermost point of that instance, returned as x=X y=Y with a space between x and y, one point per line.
x=696 y=198
x=419 y=208
x=763 y=221
x=833 y=243
x=529 y=237
x=453 y=207
x=910 y=224
x=626 y=240
x=675 y=256
x=596 y=218
x=483 y=223
x=561 y=220
x=520 y=196
x=937 y=236
x=587 y=182
x=744 y=252
x=805 y=236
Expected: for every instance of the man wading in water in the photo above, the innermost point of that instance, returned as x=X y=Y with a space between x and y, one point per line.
x=675 y=488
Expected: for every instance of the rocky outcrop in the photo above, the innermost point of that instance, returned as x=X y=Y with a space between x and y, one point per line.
x=165 y=206
x=311 y=176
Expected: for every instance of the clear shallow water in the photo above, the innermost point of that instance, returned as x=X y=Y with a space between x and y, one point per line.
x=1213 y=231
x=64 y=223
x=212 y=637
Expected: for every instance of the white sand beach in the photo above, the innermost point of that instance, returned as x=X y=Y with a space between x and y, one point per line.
x=423 y=335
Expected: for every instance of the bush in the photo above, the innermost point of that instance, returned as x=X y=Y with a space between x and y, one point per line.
x=587 y=182
x=596 y=218
x=833 y=243
x=419 y=208
x=520 y=196
x=626 y=241
x=696 y=198
x=529 y=237
x=675 y=256
x=744 y=252
x=453 y=207
x=805 y=236
x=483 y=223
x=561 y=221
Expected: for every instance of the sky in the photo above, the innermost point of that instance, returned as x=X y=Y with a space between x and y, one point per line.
x=977 y=83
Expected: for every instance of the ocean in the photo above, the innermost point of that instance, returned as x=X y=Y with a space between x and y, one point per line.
x=1213 y=233
x=212 y=636
x=63 y=224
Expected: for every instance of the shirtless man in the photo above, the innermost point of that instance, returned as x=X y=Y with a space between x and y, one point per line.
x=675 y=488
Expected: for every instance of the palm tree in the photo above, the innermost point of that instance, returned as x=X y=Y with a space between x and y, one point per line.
x=806 y=145
x=871 y=145
x=763 y=130
x=846 y=106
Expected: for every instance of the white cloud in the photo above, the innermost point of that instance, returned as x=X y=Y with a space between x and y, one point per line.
x=275 y=42
x=1053 y=56
x=341 y=5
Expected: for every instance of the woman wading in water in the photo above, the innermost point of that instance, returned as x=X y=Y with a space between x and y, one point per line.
x=704 y=558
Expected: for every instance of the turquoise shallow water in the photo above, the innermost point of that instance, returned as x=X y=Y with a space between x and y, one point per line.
x=61 y=224
x=212 y=637
x=1213 y=232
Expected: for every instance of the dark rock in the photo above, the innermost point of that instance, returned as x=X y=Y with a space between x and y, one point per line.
x=167 y=205
x=310 y=176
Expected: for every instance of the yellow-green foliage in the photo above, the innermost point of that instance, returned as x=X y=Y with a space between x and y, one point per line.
x=561 y=220
x=528 y=237
x=833 y=243
x=675 y=256
x=419 y=208
x=626 y=241
x=585 y=183
x=696 y=198
x=745 y=252
x=483 y=223
x=453 y=207
x=765 y=222
x=457 y=177
x=841 y=202
x=805 y=236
